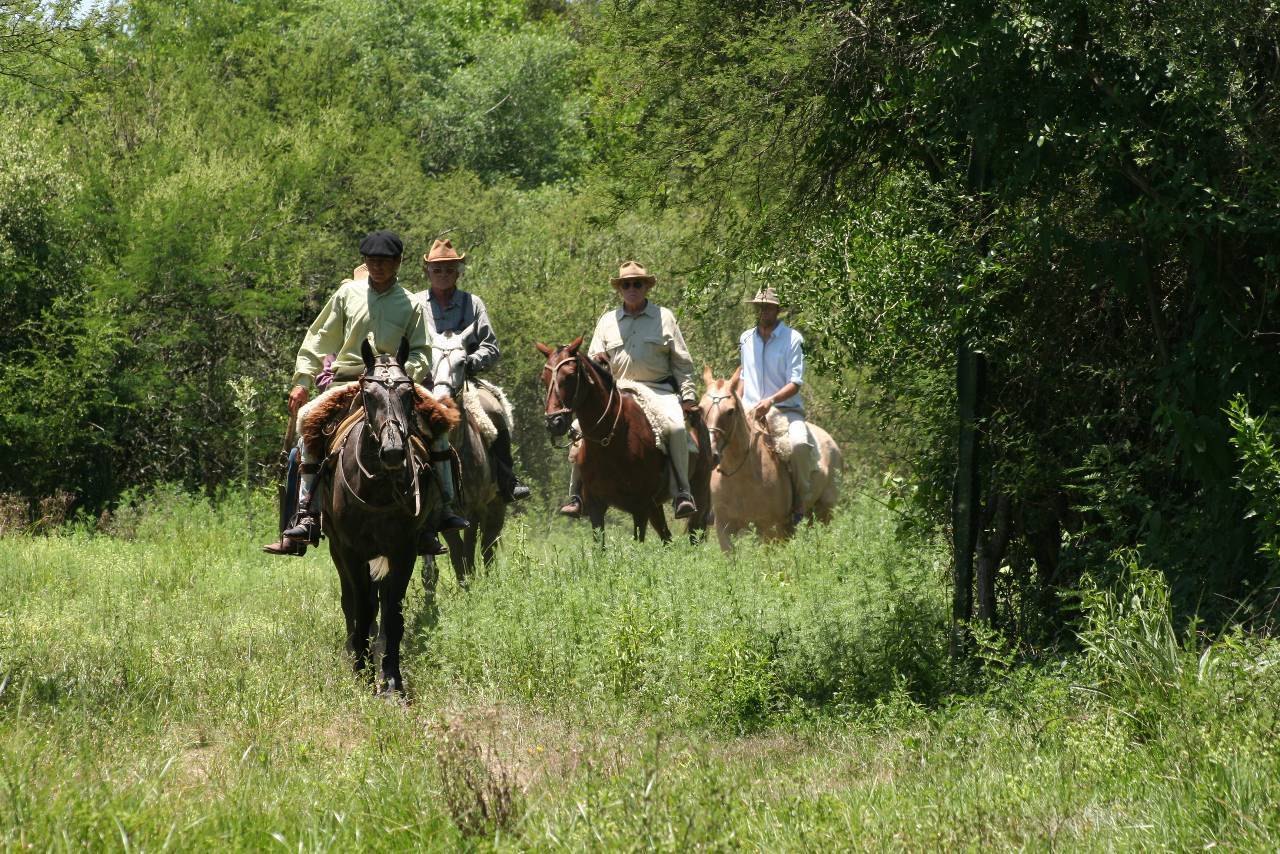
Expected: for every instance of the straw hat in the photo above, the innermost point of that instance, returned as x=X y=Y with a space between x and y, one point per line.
x=765 y=296
x=632 y=270
x=443 y=251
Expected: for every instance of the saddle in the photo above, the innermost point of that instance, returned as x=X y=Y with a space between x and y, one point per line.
x=329 y=423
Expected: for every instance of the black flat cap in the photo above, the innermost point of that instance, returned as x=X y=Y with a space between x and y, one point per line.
x=385 y=243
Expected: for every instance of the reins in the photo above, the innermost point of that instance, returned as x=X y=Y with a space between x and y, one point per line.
x=410 y=445
x=716 y=400
x=553 y=386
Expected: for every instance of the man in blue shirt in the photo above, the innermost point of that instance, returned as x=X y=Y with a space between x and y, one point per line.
x=772 y=358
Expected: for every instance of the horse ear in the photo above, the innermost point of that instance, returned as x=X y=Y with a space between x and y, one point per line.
x=366 y=352
x=402 y=355
x=706 y=376
x=735 y=381
x=573 y=348
x=543 y=348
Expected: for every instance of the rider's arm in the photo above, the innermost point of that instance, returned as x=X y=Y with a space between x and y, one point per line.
x=419 y=366
x=324 y=336
x=681 y=361
x=486 y=353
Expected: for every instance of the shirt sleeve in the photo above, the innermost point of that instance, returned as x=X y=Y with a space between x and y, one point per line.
x=681 y=361
x=596 y=347
x=324 y=336
x=486 y=340
x=419 y=366
x=795 y=370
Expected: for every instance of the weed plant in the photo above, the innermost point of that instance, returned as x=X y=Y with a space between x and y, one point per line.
x=165 y=685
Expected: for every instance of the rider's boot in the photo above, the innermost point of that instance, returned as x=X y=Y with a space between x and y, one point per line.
x=683 y=505
x=306 y=526
x=573 y=508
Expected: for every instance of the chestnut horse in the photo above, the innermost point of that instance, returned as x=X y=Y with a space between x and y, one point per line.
x=751 y=485
x=621 y=463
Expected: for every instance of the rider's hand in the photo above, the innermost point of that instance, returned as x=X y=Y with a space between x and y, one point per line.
x=761 y=409
x=297 y=397
x=472 y=365
x=691 y=410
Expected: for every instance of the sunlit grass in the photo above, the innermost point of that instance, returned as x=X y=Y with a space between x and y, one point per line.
x=172 y=687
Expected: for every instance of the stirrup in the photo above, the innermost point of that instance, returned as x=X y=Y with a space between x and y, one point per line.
x=305 y=529
x=429 y=544
x=286 y=546
x=573 y=508
x=684 y=506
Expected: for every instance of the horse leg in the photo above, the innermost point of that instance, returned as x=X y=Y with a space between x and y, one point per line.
x=494 y=520
x=466 y=563
x=725 y=538
x=391 y=592
x=595 y=512
x=430 y=577
x=640 y=525
x=458 y=553
x=356 y=598
x=658 y=519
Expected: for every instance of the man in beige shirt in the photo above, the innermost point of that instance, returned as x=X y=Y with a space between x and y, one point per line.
x=376 y=308
x=641 y=341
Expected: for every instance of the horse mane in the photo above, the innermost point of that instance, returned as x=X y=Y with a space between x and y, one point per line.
x=435 y=417
x=601 y=372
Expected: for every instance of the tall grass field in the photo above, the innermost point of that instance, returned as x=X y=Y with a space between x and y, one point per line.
x=165 y=686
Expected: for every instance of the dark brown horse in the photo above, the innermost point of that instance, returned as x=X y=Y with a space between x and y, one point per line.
x=621 y=463
x=375 y=499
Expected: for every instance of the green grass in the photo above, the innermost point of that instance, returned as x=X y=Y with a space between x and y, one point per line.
x=171 y=687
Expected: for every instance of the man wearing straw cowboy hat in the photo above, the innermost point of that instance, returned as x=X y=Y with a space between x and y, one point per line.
x=375 y=307
x=451 y=309
x=772 y=359
x=641 y=341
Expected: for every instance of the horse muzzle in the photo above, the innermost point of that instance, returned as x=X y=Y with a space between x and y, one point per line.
x=558 y=423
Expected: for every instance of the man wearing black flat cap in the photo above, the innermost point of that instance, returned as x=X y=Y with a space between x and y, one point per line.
x=375 y=308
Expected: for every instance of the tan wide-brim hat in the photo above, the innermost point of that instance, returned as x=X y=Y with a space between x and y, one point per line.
x=442 y=251
x=765 y=296
x=632 y=270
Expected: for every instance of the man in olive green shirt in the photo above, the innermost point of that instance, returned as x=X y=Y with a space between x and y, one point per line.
x=641 y=341
x=378 y=309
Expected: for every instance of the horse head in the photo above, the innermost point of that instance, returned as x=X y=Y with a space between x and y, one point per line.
x=722 y=411
x=449 y=361
x=562 y=374
x=386 y=393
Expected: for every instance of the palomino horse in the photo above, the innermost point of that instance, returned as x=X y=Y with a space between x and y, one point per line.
x=478 y=498
x=375 y=500
x=751 y=484
x=621 y=463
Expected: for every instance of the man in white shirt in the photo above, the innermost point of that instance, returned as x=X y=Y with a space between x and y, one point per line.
x=772 y=358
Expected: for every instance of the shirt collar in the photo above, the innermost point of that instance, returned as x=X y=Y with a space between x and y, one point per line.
x=777 y=331
x=390 y=289
x=453 y=297
x=650 y=309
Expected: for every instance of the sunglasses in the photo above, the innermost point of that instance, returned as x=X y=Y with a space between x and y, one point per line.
x=442 y=270
x=632 y=283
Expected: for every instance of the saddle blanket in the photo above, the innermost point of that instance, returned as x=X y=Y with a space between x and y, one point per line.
x=481 y=418
x=655 y=409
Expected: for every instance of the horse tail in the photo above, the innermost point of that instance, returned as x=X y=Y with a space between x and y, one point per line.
x=379 y=567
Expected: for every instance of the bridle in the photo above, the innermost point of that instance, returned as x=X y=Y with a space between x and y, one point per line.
x=553 y=389
x=725 y=435
x=381 y=378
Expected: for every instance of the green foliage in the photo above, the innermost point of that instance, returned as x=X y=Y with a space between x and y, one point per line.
x=1259 y=454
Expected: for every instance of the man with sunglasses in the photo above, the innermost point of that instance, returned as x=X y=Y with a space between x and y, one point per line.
x=375 y=308
x=450 y=309
x=641 y=341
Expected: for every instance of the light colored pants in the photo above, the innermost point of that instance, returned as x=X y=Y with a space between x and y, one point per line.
x=804 y=459
x=677 y=434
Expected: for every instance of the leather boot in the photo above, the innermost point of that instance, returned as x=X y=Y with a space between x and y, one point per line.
x=573 y=508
